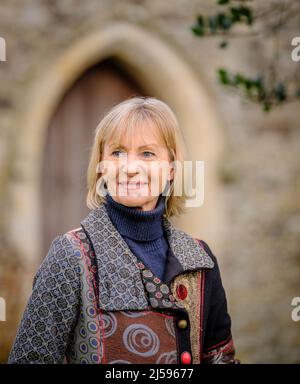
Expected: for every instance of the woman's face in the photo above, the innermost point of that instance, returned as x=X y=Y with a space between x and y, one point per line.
x=136 y=171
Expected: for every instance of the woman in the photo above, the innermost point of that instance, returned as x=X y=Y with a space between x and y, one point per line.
x=127 y=286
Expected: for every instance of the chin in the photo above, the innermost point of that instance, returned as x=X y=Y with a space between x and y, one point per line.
x=133 y=201
x=134 y=198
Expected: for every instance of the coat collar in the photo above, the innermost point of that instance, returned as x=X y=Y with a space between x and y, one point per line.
x=119 y=275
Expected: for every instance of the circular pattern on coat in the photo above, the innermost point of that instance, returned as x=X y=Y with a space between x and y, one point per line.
x=91 y=311
x=141 y=340
x=119 y=362
x=164 y=289
x=147 y=273
x=82 y=332
x=134 y=314
x=73 y=353
x=90 y=296
x=83 y=360
x=153 y=302
x=83 y=347
x=92 y=326
x=170 y=326
x=167 y=358
x=94 y=342
x=150 y=287
x=167 y=303
x=109 y=323
x=95 y=357
x=141 y=265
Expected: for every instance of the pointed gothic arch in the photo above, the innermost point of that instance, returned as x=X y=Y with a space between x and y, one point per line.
x=164 y=73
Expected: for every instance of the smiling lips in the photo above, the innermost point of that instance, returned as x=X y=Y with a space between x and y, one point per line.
x=132 y=185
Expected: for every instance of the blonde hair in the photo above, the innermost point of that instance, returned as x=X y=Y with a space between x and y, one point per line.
x=120 y=120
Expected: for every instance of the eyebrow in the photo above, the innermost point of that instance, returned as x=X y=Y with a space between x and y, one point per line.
x=141 y=147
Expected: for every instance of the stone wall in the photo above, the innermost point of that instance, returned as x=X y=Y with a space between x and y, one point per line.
x=259 y=172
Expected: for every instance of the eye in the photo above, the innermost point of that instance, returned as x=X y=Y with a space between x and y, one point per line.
x=118 y=153
x=148 y=154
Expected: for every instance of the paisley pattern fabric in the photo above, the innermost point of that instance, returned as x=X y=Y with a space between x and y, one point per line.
x=119 y=278
x=93 y=301
x=141 y=336
x=52 y=309
x=159 y=294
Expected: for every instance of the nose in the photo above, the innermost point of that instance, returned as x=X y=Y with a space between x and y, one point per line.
x=131 y=165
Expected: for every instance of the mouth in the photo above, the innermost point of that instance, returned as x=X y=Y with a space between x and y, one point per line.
x=132 y=185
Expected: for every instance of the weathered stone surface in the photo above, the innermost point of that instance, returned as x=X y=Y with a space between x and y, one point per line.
x=259 y=171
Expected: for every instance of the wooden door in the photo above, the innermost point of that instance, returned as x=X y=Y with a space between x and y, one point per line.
x=69 y=140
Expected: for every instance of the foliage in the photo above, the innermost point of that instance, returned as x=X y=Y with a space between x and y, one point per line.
x=268 y=88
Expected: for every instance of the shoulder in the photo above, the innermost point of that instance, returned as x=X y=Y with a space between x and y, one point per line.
x=63 y=248
x=213 y=273
x=207 y=249
x=61 y=260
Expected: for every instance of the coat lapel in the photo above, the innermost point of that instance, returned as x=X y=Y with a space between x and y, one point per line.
x=120 y=283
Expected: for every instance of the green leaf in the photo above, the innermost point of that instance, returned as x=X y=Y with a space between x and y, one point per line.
x=198 y=27
x=197 y=30
x=239 y=13
x=247 y=12
x=223 y=76
x=235 y=14
x=239 y=79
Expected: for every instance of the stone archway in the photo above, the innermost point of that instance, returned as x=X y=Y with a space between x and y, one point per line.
x=147 y=58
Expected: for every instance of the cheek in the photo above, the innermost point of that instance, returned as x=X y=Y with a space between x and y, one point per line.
x=110 y=169
x=159 y=173
x=165 y=171
x=153 y=170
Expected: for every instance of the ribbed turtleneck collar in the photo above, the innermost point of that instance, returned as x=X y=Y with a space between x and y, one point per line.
x=136 y=223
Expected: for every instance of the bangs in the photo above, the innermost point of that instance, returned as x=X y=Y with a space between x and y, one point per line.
x=126 y=127
x=136 y=122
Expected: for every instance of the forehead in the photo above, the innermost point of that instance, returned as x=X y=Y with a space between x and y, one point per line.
x=137 y=135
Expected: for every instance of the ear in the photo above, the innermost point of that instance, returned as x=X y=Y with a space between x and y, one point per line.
x=171 y=173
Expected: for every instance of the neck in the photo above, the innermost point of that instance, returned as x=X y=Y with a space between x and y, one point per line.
x=134 y=222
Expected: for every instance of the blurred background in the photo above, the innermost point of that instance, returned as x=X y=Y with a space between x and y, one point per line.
x=227 y=70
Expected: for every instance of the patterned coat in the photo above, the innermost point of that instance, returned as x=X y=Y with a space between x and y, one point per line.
x=93 y=301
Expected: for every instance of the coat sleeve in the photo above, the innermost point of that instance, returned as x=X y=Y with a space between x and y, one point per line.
x=52 y=309
x=218 y=346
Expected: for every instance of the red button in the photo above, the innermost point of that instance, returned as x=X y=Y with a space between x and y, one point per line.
x=181 y=291
x=185 y=358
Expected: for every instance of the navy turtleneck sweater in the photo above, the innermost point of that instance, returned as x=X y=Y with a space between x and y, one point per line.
x=143 y=232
